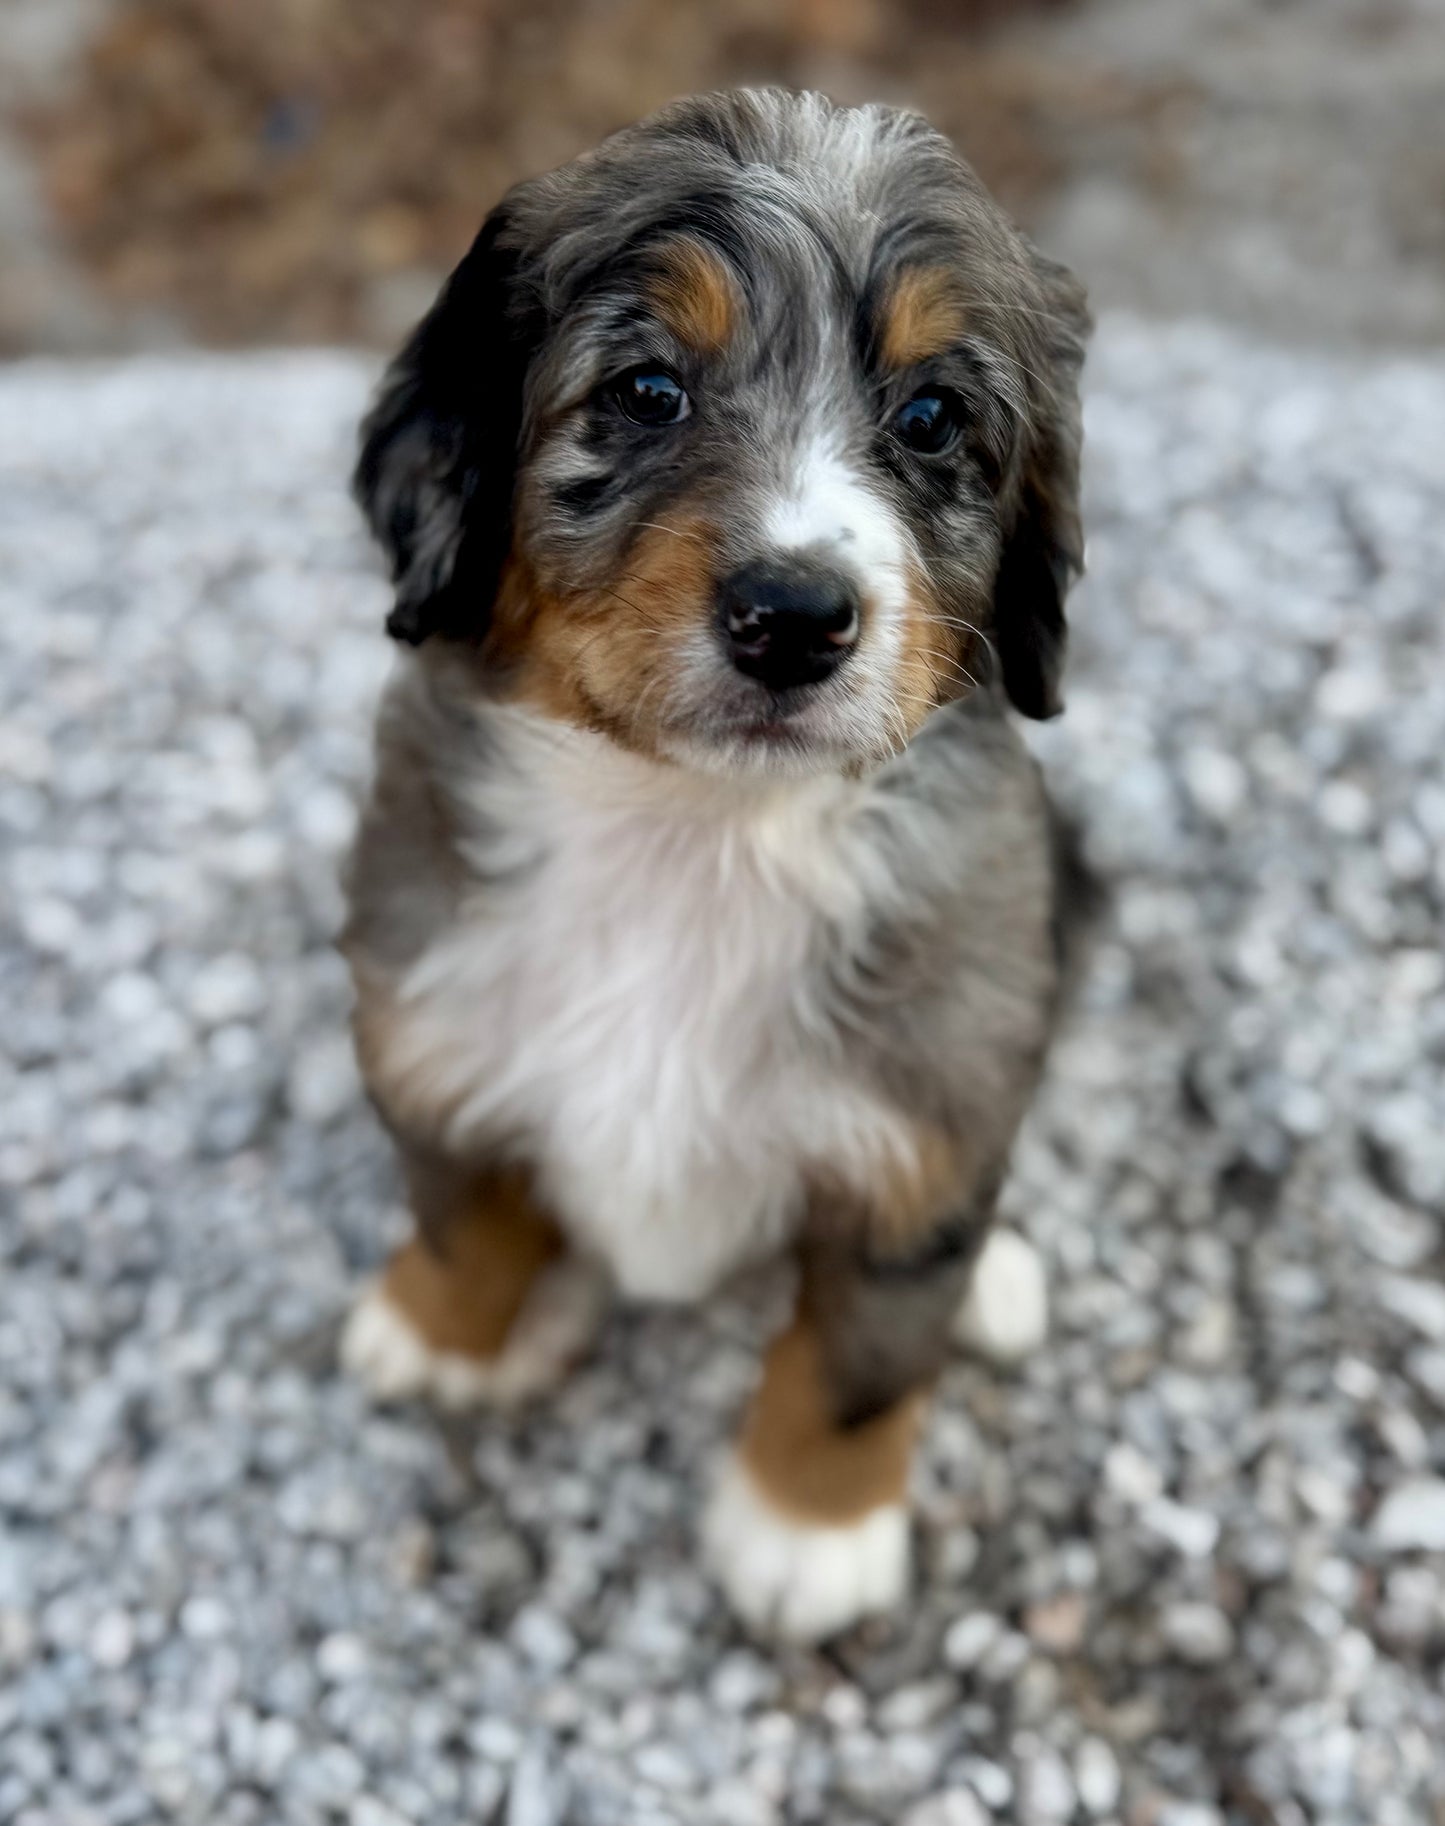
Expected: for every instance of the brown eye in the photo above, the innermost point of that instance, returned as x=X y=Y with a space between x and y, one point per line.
x=929 y=423
x=651 y=396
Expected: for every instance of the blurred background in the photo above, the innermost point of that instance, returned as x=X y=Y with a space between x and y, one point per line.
x=286 y=171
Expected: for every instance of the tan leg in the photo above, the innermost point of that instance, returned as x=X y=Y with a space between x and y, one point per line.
x=483 y=1304
x=801 y=1460
x=807 y=1530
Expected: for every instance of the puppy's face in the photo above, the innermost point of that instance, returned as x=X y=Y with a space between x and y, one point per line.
x=747 y=440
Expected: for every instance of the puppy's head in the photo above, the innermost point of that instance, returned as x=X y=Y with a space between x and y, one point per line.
x=741 y=440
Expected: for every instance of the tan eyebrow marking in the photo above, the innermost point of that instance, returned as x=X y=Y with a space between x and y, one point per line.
x=695 y=296
x=922 y=315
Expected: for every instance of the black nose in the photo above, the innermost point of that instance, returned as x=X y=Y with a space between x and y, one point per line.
x=787 y=625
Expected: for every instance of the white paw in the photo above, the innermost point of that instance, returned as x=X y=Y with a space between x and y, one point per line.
x=392 y=1361
x=1005 y=1315
x=800 y=1580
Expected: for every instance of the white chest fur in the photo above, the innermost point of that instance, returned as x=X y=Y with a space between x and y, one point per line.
x=633 y=1004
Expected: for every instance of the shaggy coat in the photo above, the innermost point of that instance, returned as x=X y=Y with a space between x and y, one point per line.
x=707 y=902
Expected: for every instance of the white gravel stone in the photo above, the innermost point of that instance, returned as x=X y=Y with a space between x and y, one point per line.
x=1189 y=1813
x=1131 y=1475
x=1193 y=1532
x=112 y=1641
x=1200 y=1633
x=737 y=1804
x=534 y=1798
x=203 y=1619
x=1045 y=1787
x=544 y=1639
x=955 y=1807
x=323 y=1082
x=229 y=988
x=989 y=1780
x=1427 y=1368
x=1412 y=1517
x=367 y=1811
x=915 y=1707
x=742 y=1681
x=342 y=1656
x=1005 y=1317
x=1096 y=1776
x=1216 y=780
x=1420 y=1304
x=970 y=1638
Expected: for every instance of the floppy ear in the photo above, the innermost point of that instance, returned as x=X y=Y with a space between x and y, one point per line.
x=1044 y=550
x=439 y=447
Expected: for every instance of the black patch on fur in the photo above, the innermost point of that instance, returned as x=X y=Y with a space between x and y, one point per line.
x=1029 y=629
x=584 y=496
x=885 y=1320
x=1044 y=552
x=439 y=447
x=956 y=1239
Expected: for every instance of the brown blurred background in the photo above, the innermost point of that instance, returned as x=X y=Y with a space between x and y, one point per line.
x=240 y=171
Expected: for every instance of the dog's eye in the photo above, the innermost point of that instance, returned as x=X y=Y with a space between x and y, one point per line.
x=651 y=396
x=929 y=423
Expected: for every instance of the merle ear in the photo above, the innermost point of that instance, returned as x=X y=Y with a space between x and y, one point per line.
x=1044 y=550
x=439 y=446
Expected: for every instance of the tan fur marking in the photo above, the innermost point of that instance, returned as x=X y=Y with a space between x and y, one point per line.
x=808 y=1467
x=695 y=296
x=463 y=1288
x=606 y=659
x=922 y=316
x=938 y=658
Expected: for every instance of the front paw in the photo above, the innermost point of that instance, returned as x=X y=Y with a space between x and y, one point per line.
x=382 y=1347
x=803 y=1581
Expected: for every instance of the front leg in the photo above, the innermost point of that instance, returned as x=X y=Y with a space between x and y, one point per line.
x=807 y=1529
x=483 y=1304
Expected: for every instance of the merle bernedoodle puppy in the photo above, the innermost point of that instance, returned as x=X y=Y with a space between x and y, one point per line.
x=707 y=903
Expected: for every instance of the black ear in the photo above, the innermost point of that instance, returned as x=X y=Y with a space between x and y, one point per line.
x=439 y=446
x=1044 y=549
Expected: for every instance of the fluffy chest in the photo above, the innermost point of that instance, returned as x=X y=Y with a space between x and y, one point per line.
x=636 y=1004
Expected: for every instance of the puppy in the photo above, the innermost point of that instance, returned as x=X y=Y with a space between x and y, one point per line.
x=704 y=906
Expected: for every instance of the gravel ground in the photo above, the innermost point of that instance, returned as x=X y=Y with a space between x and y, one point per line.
x=1188 y=1567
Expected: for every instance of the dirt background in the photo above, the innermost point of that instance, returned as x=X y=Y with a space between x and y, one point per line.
x=264 y=171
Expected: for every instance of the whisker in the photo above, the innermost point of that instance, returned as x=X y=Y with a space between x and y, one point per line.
x=678 y=532
x=895 y=715
x=637 y=708
x=950 y=666
x=636 y=609
x=921 y=700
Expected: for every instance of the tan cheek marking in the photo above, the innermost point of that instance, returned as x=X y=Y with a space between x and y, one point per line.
x=463 y=1284
x=695 y=297
x=808 y=1467
x=604 y=659
x=923 y=316
x=937 y=658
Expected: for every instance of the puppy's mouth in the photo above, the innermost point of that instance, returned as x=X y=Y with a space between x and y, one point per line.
x=781 y=717
x=737 y=726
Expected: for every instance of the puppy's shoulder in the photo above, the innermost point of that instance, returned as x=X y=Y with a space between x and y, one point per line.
x=968 y=792
x=408 y=869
